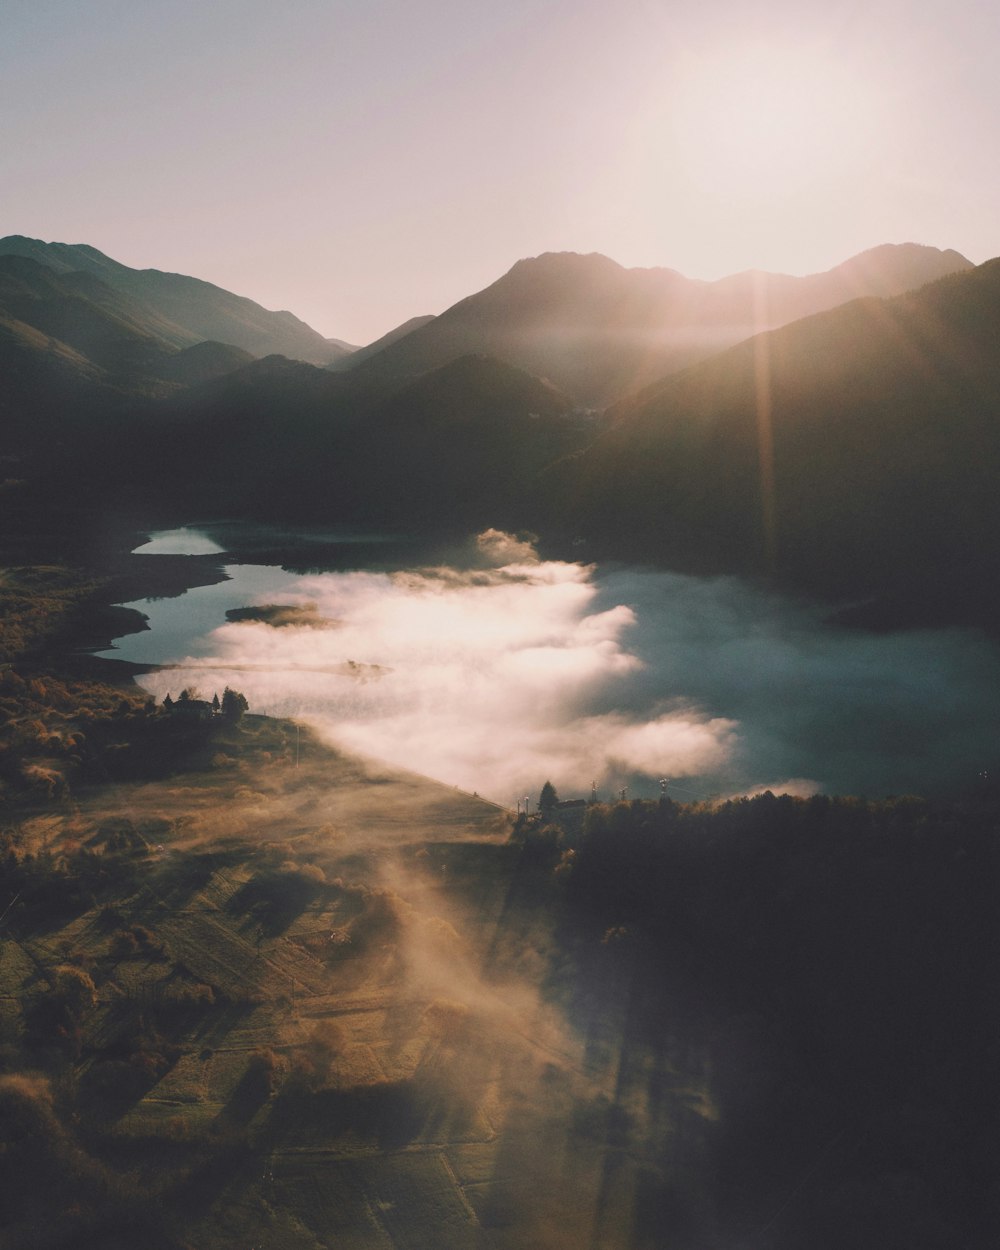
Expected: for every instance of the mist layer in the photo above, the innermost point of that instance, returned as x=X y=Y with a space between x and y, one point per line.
x=498 y=677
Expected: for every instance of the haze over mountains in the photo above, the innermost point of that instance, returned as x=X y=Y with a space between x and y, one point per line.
x=584 y=323
x=599 y=331
x=355 y=357
x=881 y=410
x=851 y=452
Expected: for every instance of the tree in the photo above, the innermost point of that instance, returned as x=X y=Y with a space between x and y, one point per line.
x=216 y=705
x=234 y=704
x=548 y=800
x=74 y=989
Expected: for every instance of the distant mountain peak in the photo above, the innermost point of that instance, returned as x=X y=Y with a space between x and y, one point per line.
x=601 y=331
x=908 y=246
x=566 y=261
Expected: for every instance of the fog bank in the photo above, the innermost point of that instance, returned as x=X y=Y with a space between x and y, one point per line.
x=498 y=676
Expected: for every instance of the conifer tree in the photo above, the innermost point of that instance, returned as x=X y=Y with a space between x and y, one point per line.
x=234 y=704
x=548 y=800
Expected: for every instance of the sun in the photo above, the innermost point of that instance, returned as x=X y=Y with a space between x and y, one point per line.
x=764 y=122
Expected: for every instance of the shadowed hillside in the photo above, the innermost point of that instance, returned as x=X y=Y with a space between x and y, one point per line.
x=82 y=312
x=850 y=454
x=462 y=445
x=370 y=349
x=882 y=416
x=81 y=359
x=185 y=310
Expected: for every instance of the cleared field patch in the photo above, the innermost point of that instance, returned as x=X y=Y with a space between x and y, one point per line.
x=329 y=1195
x=244 y=1028
x=201 y=1078
x=43 y=832
x=407 y=1200
x=18 y=971
x=473 y=1163
x=154 y=1117
x=214 y=952
x=357 y=1065
x=418 y=1201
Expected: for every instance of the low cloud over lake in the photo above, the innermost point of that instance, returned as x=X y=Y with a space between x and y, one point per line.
x=498 y=676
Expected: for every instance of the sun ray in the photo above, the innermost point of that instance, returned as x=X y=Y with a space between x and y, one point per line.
x=765 y=429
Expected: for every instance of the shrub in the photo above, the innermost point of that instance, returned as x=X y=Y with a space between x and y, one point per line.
x=75 y=989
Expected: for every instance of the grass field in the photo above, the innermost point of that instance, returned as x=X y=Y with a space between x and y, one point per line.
x=336 y=971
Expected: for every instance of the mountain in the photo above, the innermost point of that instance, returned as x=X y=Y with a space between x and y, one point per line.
x=344 y=348
x=883 y=419
x=203 y=362
x=280 y=439
x=45 y=383
x=182 y=310
x=462 y=445
x=358 y=354
x=83 y=313
x=882 y=412
x=76 y=354
x=73 y=356
x=599 y=331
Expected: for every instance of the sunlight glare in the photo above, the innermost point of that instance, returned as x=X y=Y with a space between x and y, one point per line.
x=763 y=122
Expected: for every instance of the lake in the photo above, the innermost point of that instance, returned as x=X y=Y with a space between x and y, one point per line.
x=494 y=670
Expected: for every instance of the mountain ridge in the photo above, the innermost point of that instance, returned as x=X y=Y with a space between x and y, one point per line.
x=354 y=358
x=197 y=310
x=599 y=331
x=881 y=443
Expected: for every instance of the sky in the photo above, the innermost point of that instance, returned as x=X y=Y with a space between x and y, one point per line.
x=360 y=162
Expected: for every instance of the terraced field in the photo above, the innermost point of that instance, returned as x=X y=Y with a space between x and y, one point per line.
x=341 y=977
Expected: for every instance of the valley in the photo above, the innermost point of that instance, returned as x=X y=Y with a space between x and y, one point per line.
x=499 y=626
x=276 y=973
x=253 y=985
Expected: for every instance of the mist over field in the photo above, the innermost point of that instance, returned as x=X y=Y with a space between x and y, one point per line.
x=450 y=837
x=498 y=676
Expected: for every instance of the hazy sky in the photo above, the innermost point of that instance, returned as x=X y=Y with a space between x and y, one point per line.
x=363 y=161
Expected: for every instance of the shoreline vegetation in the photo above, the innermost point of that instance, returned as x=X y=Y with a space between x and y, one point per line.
x=251 y=983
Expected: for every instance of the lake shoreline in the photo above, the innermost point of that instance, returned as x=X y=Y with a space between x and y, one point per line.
x=783 y=693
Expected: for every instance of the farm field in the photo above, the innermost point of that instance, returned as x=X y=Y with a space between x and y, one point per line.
x=305 y=1004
